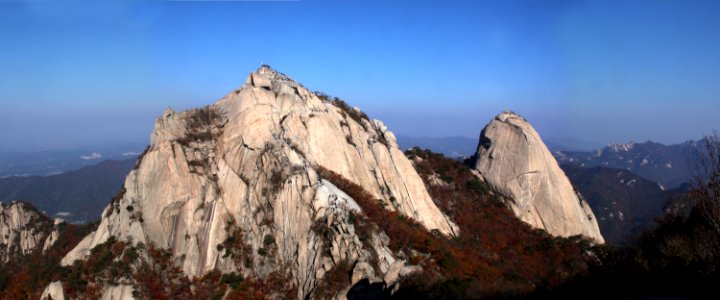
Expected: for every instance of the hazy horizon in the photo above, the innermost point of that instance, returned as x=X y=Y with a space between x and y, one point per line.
x=597 y=72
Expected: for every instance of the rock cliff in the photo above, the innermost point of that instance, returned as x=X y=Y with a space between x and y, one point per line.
x=23 y=230
x=246 y=169
x=515 y=162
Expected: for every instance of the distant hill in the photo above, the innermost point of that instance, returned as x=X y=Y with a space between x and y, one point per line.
x=460 y=146
x=77 y=196
x=624 y=203
x=670 y=165
x=52 y=162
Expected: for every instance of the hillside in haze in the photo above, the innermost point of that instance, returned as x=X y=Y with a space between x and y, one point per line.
x=53 y=162
x=669 y=165
x=455 y=146
x=77 y=196
x=463 y=147
x=624 y=203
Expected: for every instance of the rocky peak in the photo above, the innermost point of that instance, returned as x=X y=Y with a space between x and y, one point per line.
x=23 y=230
x=246 y=169
x=273 y=75
x=508 y=114
x=514 y=161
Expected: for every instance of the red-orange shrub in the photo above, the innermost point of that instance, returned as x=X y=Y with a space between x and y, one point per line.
x=495 y=253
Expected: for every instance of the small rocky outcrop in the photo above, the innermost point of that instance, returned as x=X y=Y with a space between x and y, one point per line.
x=53 y=291
x=245 y=169
x=515 y=162
x=23 y=230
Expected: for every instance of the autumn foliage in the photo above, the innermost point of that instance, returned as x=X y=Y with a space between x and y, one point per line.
x=495 y=253
x=27 y=276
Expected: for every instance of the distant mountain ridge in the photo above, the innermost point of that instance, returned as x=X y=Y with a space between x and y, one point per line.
x=669 y=165
x=77 y=196
x=451 y=146
x=53 y=162
x=463 y=147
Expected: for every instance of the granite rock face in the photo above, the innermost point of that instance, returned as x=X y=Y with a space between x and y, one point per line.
x=23 y=230
x=515 y=162
x=53 y=291
x=248 y=163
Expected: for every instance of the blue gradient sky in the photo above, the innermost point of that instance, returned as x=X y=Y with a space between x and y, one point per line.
x=596 y=72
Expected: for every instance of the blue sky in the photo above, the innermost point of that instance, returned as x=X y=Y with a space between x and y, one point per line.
x=81 y=72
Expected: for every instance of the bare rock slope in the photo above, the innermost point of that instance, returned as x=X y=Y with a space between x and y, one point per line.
x=23 y=230
x=247 y=165
x=515 y=162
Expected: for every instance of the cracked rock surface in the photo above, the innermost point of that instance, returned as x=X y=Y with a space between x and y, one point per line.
x=247 y=163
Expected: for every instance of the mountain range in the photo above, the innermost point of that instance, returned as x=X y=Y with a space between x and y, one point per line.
x=464 y=147
x=79 y=196
x=283 y=193
x=452 y=146
x=630 y=185
x=276 y=192
x=669 y=165
x=625 y=203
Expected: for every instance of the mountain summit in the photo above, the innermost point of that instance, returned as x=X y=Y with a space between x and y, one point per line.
x=254 y=171
x=515 y=162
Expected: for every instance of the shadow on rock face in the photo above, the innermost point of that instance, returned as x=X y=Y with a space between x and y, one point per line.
x=366 y=290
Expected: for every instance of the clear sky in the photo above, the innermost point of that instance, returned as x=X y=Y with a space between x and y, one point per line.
x=92 y=72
